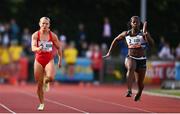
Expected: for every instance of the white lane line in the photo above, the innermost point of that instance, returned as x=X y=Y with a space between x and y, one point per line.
x=5 y=107
x=117 y=104
x=55 y=102
x=107 y=102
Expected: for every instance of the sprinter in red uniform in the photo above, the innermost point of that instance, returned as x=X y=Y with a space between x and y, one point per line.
x=135 y=62
x=43 y=44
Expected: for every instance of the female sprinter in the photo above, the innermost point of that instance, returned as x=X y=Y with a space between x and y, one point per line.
x=42 y=44
x=135 y=62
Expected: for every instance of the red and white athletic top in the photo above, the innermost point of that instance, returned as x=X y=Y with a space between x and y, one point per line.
x=46 y=54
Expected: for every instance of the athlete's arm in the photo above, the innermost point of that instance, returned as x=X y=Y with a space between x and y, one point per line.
x=58 y=47
x=34 y=43
x=119 y=37
x=149 y=39
x=147 y=36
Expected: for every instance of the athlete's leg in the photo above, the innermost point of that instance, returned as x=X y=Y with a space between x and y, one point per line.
x=50 y=70
x=140 y=79
x=39 y=74
x=130 y=66
x=50 y=73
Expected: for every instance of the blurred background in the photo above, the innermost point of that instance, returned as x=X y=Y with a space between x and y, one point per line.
x=86 y=28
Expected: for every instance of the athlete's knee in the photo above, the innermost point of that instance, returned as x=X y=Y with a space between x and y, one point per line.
x=50 y=78
x=130 y=71
x=50 y=74
x=40 y=82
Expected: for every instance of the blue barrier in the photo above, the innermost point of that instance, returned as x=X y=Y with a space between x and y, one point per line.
x=83 y=71
x=177 y=70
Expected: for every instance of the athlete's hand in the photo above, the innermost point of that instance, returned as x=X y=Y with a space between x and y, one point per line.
x=59 y=63
x=107 y=55
x=145 y=27
x=40 y=48
x=145 y=34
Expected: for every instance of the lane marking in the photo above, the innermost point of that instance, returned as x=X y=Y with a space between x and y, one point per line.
x=117 y=104
x=5 y=107
x=55 y=102
x=108 y=102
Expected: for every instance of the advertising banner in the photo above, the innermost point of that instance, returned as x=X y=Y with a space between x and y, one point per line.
x=80 y=71
x=160 y=70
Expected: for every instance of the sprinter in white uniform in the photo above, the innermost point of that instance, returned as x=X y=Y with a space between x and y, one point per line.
x=135 y=62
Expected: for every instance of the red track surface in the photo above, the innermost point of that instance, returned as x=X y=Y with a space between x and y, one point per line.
x=82 y=99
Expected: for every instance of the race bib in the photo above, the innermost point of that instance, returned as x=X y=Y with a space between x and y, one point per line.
x=47 y=45
x=135 y=42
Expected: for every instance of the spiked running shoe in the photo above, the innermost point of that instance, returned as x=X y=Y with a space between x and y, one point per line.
x=138 y=96
x=41 y=107
x=129 y=93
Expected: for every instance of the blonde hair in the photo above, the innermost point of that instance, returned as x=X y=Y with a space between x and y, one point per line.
x=47 y=18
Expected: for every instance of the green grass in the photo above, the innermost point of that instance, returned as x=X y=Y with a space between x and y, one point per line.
x=167 y=92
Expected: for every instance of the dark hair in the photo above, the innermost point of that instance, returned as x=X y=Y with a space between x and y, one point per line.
x=129 y=23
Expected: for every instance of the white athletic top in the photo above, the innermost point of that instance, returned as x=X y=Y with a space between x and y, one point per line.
x=135 y=41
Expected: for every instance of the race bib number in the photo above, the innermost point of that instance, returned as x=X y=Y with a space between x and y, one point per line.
x=47 y=45
x=135 y=42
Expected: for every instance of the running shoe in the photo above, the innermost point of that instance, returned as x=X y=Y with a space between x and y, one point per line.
x=41 y=107
x=138 y=96
x=129 y=93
